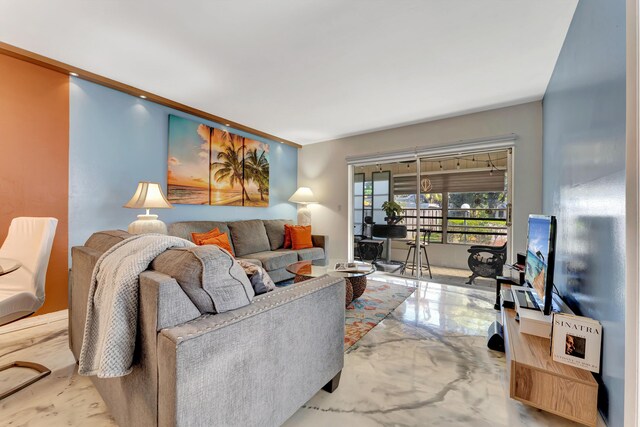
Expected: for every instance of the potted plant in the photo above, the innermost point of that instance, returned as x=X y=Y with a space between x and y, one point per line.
x=393 y=211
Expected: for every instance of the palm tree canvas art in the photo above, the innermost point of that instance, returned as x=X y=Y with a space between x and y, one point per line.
x=187 y=170
x=213 y=166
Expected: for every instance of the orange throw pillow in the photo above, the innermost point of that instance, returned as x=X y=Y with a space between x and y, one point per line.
x=301 y=237
x=221 y=241
x=287 y=236
x=199 y=237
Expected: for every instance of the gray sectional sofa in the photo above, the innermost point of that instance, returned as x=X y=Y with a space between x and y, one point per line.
x=259 y=241
x=253 y=366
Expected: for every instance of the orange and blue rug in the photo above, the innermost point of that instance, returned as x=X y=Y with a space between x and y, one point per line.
x=377 y=302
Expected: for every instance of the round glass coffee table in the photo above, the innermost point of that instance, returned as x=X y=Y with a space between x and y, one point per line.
x=355 y=281
x=8 y=265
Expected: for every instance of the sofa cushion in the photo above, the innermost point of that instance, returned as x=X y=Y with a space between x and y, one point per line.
x=248 y=237
x=185 y=228
x=103 y=240
x=310 y=254
x=273 y=260
x=280 y=275
x=275 y=231
x=224 y=287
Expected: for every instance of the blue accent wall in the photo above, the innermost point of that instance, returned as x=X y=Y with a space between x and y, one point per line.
x=584 y=180
x=117 y=140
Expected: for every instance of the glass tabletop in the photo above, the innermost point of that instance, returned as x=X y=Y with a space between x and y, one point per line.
x=8 y=265
x=306 y=268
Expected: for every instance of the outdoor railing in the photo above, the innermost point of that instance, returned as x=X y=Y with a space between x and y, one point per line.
x=465 y=226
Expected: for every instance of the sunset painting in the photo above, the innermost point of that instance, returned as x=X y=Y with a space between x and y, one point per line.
x=210 y=166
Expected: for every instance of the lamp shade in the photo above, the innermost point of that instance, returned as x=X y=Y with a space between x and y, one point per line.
x=303 y=195
x=148 y=195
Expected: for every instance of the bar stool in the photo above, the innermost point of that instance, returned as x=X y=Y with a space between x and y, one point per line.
x=423 y=249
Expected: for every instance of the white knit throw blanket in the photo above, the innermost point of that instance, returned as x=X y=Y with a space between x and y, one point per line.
x=112 y=306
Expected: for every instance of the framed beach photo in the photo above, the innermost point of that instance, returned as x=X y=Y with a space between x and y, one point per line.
x=213 y=166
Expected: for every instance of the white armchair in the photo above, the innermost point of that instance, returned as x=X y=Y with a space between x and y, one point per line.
x=29 y=241
x=22 y=291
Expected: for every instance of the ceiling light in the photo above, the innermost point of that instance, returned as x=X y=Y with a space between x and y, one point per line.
x=143 y=96
x=227 y=124
x=73 y=74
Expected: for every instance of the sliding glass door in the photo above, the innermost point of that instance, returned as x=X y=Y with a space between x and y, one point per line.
x=448 y=203
x=381 y=236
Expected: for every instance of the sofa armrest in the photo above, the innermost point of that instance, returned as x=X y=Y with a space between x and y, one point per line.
x=319 y=241
x=162 y=304
x=170 y=305
x=258 y=364
x=82 y=261
x=173 y=306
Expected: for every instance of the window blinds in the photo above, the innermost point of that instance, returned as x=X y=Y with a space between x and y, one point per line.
x=462 y=182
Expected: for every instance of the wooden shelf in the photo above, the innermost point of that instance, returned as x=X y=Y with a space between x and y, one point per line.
x=536 y=380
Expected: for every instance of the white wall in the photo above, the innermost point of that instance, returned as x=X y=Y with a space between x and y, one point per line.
x=454 y=256
x=323 y=167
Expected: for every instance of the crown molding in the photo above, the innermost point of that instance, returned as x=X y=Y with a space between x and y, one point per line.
x=61 y=67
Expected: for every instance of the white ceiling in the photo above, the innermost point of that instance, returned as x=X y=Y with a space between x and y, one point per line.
x=307 y=70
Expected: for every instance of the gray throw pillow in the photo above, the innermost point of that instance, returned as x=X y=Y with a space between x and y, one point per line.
x=210 y=277
x=248 y=237
x=275 y=231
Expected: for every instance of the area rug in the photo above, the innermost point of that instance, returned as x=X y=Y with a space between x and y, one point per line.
x=377 y=302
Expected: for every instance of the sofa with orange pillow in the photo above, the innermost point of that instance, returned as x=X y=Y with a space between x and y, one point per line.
x=263 y=242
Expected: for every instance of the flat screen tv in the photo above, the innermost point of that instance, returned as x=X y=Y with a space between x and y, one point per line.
x=541 y=242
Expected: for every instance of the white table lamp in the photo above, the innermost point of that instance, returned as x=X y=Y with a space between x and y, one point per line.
x=303 y=196
x=148 y=195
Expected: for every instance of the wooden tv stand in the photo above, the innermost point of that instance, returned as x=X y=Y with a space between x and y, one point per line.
x=535 y=379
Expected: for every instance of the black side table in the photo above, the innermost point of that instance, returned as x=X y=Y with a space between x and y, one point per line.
x=386 y=231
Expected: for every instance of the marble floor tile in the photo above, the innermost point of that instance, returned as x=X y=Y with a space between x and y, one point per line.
x=63 y=398
x=425 y=365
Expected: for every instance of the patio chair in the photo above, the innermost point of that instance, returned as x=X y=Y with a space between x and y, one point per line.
x=486 y=261
x=367 y=248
